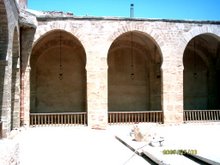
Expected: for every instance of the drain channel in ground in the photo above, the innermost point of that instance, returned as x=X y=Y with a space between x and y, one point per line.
x=149 y=159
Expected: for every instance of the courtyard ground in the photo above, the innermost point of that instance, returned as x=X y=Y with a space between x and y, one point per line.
x=201 y=139
x=73 y=145
x=67 y=145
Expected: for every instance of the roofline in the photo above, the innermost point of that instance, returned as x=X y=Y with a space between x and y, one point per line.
x=55 y=18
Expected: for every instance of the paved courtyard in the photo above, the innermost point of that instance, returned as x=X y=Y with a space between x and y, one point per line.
x=73 y=145
x=200 y=137
x=82 y=145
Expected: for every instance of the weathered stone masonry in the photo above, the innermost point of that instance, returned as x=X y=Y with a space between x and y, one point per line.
x=9 y=53
x=102 y=41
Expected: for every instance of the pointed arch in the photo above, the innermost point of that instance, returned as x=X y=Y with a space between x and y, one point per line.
x=201 y=73
x=49 y=94
x=134 y=73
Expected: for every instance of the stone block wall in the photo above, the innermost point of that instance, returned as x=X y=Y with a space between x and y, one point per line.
x=9 y=24
x=96 y=36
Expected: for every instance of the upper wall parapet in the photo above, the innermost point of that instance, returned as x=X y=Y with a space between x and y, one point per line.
x=22 y=4
x=52 y=16
x=27 y=19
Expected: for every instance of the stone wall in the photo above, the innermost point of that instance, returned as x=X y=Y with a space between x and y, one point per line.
x=98 y=34
x=10 y=31
x=22 y=3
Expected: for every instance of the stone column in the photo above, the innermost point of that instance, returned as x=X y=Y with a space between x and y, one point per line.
x=172 y=87
x=97 y=88
x=16 y=96
x=25 y=94
x=27 y=35
x=5 y=96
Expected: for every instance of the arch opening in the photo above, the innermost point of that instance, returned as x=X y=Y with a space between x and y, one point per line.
x=3 y=64
x=3 y=31
x=56 y=53
x=134 y=74
x=201 y=73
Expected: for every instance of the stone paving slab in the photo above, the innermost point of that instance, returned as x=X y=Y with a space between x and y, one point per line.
x=204 y=138
x=156 y=153
x=201 y=137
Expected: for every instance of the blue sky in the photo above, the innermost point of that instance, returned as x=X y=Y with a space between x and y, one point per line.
x=165 y=9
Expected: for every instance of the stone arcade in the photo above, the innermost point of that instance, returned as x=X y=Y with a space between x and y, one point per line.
x=101 y=69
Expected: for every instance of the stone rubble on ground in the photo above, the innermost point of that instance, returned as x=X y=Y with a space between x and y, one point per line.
x=144 y=133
